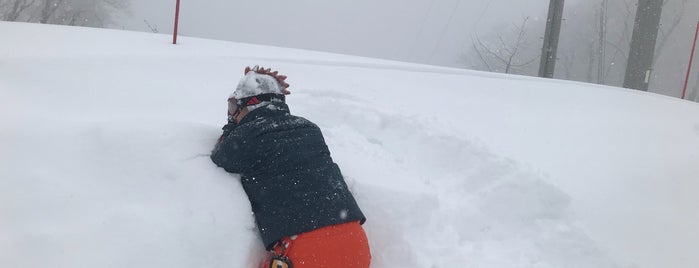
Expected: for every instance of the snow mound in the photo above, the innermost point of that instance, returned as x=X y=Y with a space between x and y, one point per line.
x=105 y=138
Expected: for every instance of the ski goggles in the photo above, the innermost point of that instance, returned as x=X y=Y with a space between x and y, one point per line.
x=235 y=105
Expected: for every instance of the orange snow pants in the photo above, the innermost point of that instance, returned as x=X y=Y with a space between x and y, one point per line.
x=337 y=246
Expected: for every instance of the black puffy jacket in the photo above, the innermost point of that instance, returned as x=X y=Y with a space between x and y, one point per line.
x=287 y=172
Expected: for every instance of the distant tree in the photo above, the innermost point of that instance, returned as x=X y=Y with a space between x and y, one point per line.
x=502 y=55
x=93 y=13
x=48 y=9
x=669 y=26
x=595 y=44
x=153 y=28
x=606 y=40
x=11 y=10
x=583 y=44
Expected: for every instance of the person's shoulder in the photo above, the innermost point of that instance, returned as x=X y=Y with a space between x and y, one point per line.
x=274 y=118
x=301 y=121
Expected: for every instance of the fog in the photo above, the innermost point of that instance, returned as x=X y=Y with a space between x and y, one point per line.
x=423 y=31
x=491 y=35
x=472 y=34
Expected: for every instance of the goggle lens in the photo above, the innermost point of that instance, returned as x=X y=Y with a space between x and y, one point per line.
x=232 y=106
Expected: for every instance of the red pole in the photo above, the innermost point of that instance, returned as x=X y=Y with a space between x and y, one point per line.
x=177 y=18
x=691 y=58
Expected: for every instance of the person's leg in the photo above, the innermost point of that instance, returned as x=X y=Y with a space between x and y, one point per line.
x=343 y=245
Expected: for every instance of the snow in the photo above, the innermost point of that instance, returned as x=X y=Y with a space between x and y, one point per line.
x=105 y=137
x=253 y=84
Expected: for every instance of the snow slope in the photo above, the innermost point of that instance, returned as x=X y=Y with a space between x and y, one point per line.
x=105 y=137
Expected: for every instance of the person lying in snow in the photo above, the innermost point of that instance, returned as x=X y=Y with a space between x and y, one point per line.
x=304 y=211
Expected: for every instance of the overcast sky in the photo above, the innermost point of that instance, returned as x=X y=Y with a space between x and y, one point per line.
x=426 y=31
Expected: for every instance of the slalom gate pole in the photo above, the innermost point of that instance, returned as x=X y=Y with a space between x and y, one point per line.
x=691 y=58
x=177 y=18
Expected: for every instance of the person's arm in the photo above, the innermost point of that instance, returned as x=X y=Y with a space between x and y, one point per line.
x=227 y=154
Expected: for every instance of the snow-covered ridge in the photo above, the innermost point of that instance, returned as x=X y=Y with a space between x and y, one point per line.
x=105 y=137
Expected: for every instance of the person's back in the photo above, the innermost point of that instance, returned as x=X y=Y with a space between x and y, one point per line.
x=295 y=188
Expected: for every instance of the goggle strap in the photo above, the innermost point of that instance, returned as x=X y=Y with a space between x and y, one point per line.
x=257 y=99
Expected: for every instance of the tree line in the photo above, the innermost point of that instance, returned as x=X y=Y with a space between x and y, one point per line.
x=594 y=45
x=91 y=13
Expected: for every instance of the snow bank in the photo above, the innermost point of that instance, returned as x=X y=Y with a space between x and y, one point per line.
x=105 y=137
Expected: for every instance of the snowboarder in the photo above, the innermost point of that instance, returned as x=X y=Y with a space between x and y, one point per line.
x=304 y=210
